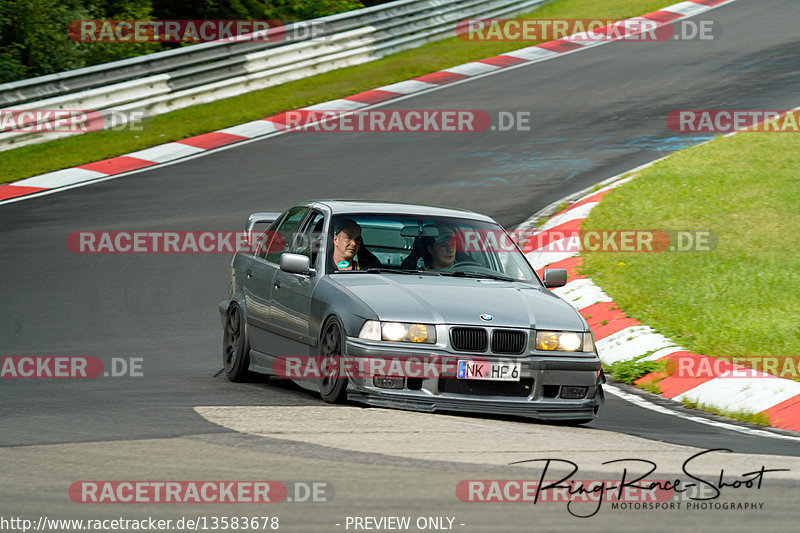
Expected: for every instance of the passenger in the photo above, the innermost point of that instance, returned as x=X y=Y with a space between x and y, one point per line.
x=346 y=244
x=442 y=249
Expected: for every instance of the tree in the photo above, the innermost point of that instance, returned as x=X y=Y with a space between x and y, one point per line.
x=34 y=40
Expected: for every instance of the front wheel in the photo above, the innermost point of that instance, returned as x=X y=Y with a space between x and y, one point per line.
x=331 y=346
x=235 y=346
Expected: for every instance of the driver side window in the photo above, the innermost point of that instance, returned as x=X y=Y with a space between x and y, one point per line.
x=281 y=239
x=309 y=242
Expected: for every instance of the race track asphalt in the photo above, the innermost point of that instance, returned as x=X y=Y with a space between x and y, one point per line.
x=595 y=113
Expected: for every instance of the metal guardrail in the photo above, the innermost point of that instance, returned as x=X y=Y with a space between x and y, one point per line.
x=217 y=53
x=201 y=73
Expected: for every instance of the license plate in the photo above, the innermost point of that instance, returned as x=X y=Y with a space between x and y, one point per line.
x=496 y=371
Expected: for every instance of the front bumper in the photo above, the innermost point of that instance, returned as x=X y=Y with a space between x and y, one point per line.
x=538 y=394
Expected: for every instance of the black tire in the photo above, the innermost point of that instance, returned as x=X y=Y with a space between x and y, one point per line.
x=331 y=344
x=235 y=346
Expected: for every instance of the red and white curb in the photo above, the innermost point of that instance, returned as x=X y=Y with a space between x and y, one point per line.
x=275 y=125
x=711 y=381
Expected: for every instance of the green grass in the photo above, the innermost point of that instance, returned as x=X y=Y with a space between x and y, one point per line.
x=563 y=205
x=739 y=300
x=630 y=371
x=63 y=153
x=745 y=416
x=650 y=387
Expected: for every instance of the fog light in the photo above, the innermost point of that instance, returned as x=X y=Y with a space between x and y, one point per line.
x=386 y=382
x=546 y=340
x=418 y=333
x=573 y=393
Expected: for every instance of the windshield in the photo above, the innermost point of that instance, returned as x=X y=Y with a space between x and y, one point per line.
x=435 y=245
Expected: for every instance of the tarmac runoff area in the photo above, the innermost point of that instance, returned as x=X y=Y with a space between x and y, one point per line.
x=438 y=437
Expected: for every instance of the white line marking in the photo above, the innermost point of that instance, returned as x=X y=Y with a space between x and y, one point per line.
x=641 y=402
x=472 y=69
x=251 y=129
x=59 y=178
x=166 y=152
x=734 y=392
x=339 y=104
x=582 y=293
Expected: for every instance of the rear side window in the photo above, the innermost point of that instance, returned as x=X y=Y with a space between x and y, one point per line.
x=263 y=239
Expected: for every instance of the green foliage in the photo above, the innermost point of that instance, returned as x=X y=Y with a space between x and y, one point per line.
x=651 y=387
x=211 y=9
x=745 y=416
x=283 y=10
x=630 y=371
x=97 y=53
x=34 y=40
x=739 y=298
x=289 y=10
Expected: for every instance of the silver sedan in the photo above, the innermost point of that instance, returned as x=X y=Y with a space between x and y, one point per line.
x=406 y=306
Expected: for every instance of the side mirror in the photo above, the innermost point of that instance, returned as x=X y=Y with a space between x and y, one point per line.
x=297 y=264
x=554 y=277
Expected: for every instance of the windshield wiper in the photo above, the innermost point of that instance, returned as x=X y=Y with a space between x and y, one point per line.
x=378 y=270
x=381 y=270
x=474 y=274
x=372 y=270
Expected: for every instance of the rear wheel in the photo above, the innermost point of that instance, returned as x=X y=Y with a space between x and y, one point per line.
x=331 y=346
x=235 y=346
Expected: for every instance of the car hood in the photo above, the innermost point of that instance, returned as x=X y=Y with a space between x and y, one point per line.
x=449 y=300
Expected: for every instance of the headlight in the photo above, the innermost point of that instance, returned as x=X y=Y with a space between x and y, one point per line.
x=564 y=341
x=588 y=342
x=371 y=330
x=398 y=332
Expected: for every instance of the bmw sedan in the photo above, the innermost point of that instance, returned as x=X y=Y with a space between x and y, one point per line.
x=406 y=306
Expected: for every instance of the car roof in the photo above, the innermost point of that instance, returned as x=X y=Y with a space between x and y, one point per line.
x=344 y=207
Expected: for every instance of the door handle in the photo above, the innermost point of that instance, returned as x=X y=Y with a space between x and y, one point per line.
x=249 y=273
x=277 y=284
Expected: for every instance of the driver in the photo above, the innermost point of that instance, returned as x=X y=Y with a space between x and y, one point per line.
x=346 y=243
